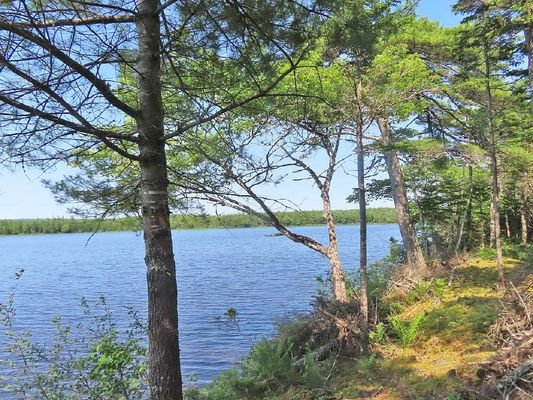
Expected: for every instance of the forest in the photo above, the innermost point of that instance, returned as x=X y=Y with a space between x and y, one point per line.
x=163 y=107
x=189 y=221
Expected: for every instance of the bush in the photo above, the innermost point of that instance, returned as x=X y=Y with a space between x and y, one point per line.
x=366 y=365
x=93 y=360
x=420 y=291
x=297 y=332
x=270 y=364
x=487 y=253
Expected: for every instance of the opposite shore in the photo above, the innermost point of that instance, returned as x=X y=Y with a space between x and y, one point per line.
x=188 y=221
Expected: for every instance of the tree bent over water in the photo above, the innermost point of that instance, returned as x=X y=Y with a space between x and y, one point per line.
x=63 y=98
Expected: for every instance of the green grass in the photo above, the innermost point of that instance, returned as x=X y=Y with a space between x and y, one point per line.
x=451 y=340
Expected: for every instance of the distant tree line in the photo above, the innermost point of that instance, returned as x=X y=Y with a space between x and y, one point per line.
x=187 y=221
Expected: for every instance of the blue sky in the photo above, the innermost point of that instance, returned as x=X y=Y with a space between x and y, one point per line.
x=439 y=10
x=23 y=196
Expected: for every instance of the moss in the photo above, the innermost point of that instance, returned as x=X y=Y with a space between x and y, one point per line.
x=453 y=340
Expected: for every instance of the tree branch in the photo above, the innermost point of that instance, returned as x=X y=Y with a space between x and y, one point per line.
x=98 y=20
x=102 y=135
x=98 y=83
x=233 y=105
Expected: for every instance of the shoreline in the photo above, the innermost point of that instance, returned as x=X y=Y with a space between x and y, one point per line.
x=24 y=227
x=187 y=229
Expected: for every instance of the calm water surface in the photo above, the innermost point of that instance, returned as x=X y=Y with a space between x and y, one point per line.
x=263 y=278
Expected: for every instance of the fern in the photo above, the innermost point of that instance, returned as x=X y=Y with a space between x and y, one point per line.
x=379 y=334
x=406 y=331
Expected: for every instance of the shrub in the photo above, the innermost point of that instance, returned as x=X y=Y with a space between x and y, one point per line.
x=439 y=285
x=487 y=253
x=297 y=332
x=419 y=292
x=366 y=365
x=270 y=364
x=93 y=360
x=267 y=370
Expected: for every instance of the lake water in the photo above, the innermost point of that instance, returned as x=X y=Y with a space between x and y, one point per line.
x=264 y=278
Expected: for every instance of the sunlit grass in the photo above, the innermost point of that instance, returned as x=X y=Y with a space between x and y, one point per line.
x=452 y=342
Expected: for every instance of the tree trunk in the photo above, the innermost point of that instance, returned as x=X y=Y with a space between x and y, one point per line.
x=415 y=256
x=422 y=224
x=492 y=232
x=338 y=279
x=524 y=221
x=528 y=34
x=495 y=214
x=363 y=259
x=507 y=226
x=467 y=217
x=163 y=355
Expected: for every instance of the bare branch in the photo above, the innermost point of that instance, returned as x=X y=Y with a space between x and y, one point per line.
x=98 y=20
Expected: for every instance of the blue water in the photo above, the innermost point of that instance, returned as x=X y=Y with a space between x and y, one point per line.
x=264 y=278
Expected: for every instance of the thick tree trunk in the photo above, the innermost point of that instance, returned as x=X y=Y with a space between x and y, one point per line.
x=363 y=259
x=495 y=214
x=415 y=256
x=163 y=355
x=338 y=279
x=337 y=275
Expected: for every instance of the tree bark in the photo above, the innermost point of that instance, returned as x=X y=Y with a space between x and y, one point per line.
x=492 y=230
x=528 y=34
x=495 y=214
x=524 y=221
x=338 y=279
x=507 y=226
x=363 y=259
x=163 y=354
x=422 y=224
x=466 y=222
x=415 y=256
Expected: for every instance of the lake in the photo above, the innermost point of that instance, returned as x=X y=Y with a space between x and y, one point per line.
x=264 y=278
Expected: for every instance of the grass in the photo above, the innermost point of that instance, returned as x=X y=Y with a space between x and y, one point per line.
x=452 y=340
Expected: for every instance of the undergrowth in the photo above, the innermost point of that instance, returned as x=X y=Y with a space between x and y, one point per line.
x=271 y=368
x=92 y=360
x=406 y=331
